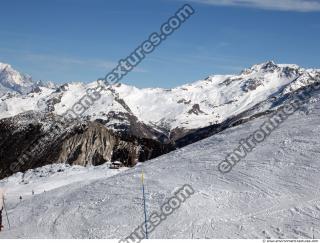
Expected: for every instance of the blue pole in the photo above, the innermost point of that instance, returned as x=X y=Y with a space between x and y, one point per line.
x=144 y=206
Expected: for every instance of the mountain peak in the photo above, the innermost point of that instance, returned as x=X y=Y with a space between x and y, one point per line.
x=14 y=81
x=270 y=66
x=266 y=66
x=4 y=66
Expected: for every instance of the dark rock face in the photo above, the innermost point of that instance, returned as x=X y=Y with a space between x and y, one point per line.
x=31 y=140
x=87 y=144
x=15 y=139
x=251 y=84
x=195 y=110
x=127 y=125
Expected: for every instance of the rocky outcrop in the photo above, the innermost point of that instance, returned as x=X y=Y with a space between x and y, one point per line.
x=87 y=144
x=27 y=141
x=128 y=125
x=195 y=110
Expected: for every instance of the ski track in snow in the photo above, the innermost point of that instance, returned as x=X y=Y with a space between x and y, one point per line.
x=273 y=193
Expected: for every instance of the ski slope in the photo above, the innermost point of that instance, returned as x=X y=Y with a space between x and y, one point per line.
x=273 y=193
x=50 y=177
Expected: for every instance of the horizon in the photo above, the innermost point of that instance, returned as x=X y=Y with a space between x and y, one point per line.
x=82 y=41
x=185 y=83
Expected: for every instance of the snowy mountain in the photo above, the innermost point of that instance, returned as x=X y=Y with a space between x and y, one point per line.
x=272 y=193
x=144 y=123
x=14 y=82
x=191 y=106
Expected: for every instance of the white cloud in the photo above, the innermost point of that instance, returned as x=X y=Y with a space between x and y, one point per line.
x=61 y=62
x=280 y=5
x=85 y=63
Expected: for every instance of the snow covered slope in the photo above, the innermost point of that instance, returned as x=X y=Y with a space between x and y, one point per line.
x=272 y=193
x=13 y=104
x=50 y=177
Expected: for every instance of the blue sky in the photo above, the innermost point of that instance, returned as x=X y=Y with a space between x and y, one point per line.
x=81 y=40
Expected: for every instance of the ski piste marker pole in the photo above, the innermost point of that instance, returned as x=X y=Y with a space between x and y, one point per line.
x=144 y=205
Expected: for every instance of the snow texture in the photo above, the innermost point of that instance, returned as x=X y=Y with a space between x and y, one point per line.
x=191 y=106
x=272 y=193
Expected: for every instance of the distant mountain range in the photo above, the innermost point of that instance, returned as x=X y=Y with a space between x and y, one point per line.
x=144 y=123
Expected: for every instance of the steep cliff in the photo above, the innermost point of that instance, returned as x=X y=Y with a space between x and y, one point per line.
x=31 y=140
